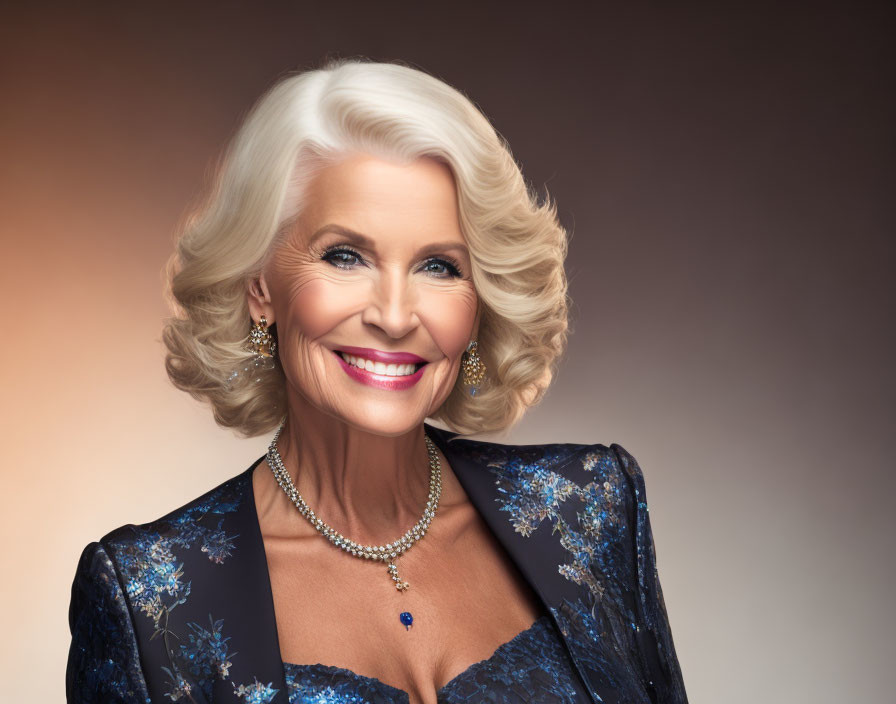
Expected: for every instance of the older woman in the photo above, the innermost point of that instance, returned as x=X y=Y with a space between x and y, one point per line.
x=369 y=258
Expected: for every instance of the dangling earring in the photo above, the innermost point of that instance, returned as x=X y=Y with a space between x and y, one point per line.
x=473 y=367
x=260 y=339
x=262 y=343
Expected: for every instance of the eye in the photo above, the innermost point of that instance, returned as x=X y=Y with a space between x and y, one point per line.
x=442 y=268
x=342 y=257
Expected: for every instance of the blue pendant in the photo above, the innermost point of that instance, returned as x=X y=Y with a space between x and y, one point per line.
x=406 y=619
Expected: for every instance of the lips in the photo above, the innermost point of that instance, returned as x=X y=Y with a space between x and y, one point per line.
x=382 y=381
x=384 y=357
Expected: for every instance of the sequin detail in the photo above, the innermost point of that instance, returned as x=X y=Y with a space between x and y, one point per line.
x=318 y=684
x=255 y=693
x=150 y=561
x=593 y=497
x=151 y=565
x=534 y=488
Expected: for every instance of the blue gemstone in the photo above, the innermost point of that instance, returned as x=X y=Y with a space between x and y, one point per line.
x=406 y=619
x=473 y=390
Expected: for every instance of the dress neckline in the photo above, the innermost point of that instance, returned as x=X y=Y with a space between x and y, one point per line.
x=541 y=622
x=470 y=483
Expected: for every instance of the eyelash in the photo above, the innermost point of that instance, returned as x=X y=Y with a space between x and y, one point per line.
x=451 y=264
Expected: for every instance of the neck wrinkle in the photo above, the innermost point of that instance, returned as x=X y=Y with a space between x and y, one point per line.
x=368 y=487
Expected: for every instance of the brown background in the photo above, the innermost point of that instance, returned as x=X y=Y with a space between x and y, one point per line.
x=727 y=173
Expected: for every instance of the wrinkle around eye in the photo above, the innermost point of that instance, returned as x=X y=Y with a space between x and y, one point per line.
x=295 y=269
x=461 y=289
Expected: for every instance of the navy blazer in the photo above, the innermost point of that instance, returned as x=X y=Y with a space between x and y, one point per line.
x=180 y=609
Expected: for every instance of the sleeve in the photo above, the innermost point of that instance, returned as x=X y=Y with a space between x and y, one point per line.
x=654 y=636
x=103 y=661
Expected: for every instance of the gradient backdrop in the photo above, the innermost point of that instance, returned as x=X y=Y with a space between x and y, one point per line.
x=727 y=177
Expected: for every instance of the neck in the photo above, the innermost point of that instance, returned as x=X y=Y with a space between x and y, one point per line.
x=369 y=487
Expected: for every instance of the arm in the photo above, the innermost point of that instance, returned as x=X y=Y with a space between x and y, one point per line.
x=653 y=635
x=103 y=662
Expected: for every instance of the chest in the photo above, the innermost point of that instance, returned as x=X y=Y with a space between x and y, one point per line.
x=466 y=598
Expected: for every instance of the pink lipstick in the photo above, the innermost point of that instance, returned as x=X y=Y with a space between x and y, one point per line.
x=384 y=357
x=381 y=381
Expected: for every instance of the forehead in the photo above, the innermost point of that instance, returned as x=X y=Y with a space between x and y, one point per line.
x=379 y=197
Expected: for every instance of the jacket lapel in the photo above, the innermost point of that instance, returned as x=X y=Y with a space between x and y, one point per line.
x=532 y=554
x=258 y=668
x=493 y=478
x=199 y=592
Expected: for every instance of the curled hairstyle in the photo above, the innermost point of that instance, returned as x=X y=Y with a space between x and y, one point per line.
x=389 y=110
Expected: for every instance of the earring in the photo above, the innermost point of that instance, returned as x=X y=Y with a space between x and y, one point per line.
x=260 y=339
x=262 y=343
x=473 y=367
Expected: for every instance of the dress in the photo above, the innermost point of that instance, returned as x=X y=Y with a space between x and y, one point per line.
x=531 y=667
x=180 y=609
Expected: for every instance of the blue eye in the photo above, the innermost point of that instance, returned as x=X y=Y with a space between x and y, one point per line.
x=441 y=268
x=342 y=257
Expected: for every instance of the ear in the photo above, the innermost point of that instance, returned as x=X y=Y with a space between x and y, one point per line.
x=259 y=297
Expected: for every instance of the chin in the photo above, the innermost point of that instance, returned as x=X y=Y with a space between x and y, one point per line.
x=378 y=422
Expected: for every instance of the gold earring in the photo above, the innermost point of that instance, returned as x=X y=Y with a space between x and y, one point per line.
x=260 y=339
x=473 y=367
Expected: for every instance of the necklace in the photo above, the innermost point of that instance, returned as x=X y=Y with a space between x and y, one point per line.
x=382 y=553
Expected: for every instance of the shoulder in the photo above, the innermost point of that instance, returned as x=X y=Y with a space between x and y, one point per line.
x=592 y=487
x=201 y=518
x=578 y=462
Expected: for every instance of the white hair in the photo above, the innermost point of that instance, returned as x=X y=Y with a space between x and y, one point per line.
x=314 y=118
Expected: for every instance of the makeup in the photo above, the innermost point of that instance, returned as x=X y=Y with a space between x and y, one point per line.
x=389 y=359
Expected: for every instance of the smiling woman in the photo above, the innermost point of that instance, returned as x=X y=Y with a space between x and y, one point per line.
x=458 y=184
x=376 y=268
x=370 y=257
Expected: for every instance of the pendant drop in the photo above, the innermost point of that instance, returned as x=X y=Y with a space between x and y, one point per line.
x=406 y=619
x=393 y=573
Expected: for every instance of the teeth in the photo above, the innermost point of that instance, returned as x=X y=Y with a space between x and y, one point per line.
x=379 y=367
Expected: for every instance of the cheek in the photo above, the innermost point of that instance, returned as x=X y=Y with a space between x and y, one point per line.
x=449 y=317
x=317 y=305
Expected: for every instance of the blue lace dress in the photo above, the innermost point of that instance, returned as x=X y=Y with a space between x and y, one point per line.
x=531 y=667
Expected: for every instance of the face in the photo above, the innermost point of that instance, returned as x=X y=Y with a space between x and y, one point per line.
x=372 y=295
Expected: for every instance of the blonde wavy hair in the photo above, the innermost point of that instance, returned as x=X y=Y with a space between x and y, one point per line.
x=306 y=121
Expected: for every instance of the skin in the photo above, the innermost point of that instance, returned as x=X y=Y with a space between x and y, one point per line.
x=357 y=453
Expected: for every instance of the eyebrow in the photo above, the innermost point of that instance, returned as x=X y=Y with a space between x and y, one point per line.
x=364 y=241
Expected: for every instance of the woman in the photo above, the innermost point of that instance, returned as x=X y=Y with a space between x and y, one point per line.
x=371 y=257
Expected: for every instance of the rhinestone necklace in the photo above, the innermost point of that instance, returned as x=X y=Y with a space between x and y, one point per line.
x=382 y=553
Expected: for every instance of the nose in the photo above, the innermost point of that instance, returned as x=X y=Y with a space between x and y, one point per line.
x=392 y=305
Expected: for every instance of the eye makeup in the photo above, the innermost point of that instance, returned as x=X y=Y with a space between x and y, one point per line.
x=343 y=256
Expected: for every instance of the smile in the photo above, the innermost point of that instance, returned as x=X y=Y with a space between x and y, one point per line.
x=380 y=368
x=385 y=370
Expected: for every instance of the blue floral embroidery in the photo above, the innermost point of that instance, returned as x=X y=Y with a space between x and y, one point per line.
x=320 y=684
x=532 y=491
x=153 y=580
x=155 y=584
x=207 y=652
x=256 y=693
x=178 y=688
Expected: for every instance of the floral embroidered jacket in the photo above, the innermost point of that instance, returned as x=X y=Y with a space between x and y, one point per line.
x=180 y=609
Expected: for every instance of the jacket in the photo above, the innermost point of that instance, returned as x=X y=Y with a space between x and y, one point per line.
x=180 y=609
